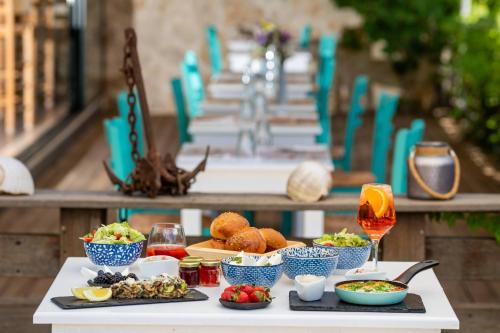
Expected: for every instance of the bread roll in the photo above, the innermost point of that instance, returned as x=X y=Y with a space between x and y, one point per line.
x=227 y=224
x=217 y=244
x=248 y=240
x=274 y=239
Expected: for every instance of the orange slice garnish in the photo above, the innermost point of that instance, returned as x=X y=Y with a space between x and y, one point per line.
x=377 y=198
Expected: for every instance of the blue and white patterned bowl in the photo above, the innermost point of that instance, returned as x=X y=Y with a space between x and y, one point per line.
x=113 y=254
x=349 y=256
x=309 y=260
x=266 y=276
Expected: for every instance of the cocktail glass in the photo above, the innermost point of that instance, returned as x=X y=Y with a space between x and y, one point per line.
x=376 y=214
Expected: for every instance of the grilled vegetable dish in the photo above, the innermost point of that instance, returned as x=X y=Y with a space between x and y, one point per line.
x=370 y=287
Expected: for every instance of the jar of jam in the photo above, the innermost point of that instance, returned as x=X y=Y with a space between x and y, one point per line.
x=210 y=273
x=193 y=258
x=189 y=272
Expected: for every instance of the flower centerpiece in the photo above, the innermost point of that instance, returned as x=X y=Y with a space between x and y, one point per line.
x=270 y=34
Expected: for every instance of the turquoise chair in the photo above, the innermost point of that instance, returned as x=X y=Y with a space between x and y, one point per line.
x=353 y=121
x=192 y=83
x=405 y=140
x=305 y=37
x=381 y=141
x=324 y=81
x=382 y=132
x=214 y=50
x=180 y=106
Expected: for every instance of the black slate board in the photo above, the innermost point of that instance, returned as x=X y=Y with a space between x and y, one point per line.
x=72 y=303
x=330 y=302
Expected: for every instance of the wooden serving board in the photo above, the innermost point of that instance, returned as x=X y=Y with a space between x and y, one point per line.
x=204 y=250
x=330 y=302
x=73 y=303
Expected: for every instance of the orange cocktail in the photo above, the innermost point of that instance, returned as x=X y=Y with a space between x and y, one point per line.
x=376 y=213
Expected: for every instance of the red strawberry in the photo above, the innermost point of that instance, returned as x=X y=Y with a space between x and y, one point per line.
x=232 y=289
x=262 y=289
x=247 y=289
x=226 y=295
x=259 y=296
x=242 y=297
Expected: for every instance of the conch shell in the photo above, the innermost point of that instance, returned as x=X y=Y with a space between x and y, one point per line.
x=15 y=178
x=309 y=182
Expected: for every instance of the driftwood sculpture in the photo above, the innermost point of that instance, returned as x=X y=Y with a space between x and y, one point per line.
x=152 y=175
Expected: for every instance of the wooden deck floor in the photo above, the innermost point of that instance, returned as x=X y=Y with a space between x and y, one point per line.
x=476 y=299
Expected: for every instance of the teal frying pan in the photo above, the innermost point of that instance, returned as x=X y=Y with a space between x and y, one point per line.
x=387 y=297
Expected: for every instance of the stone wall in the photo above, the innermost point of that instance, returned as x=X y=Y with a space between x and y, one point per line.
x=167 y=28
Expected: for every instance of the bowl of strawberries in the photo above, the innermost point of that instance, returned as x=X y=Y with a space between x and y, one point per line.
x=245 y=297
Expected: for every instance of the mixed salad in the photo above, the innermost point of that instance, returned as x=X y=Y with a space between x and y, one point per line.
x=116 y=233
x=341 y=238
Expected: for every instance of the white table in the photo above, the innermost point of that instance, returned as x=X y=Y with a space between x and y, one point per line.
x=299 y=108
x=225 y=90
x=267 y=172
x=225 y=130
x=209 y=316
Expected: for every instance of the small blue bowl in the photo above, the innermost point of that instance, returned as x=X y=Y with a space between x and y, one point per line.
x=309 y=260
x=349 y=256
x=113 y=254
x=266 y=276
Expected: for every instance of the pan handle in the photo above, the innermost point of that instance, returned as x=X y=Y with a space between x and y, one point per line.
x=407 y=275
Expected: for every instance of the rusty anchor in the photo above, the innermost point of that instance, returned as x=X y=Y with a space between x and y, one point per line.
x=152 y=175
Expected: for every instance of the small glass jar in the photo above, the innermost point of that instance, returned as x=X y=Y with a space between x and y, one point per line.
x=189 y=272
x=193 y=258
x=210 y=273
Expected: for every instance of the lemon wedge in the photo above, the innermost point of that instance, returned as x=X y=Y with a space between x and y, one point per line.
x=378 y=200
x=98 y=295
x=78 y=292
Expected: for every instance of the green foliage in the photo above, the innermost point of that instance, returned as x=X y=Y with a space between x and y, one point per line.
x=412 y=29
x=476 y=65
x=475 y=221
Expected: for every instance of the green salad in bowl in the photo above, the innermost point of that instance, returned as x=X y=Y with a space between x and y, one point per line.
x=342 y=238
x=115 y=244
x=353 y=249
x=115 y=233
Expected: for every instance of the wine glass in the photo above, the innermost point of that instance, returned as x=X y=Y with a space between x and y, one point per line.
x=167 y=239
x=376 y=213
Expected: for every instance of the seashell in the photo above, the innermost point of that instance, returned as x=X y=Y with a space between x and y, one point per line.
x=15 y=178
x=309 y=182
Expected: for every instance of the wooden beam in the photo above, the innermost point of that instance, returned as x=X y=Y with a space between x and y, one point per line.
x=10 y=63
x=74 y=223
x=29 y=69
x=48 y=57
x=465 y=202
